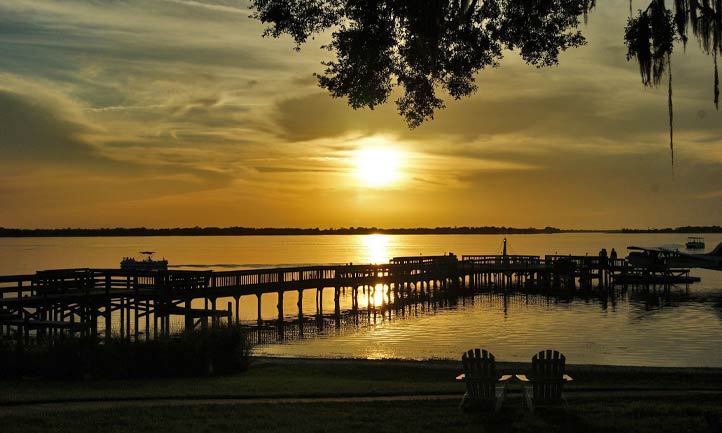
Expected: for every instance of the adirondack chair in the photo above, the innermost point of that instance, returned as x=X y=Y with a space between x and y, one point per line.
x=482 y=382
x=544 y=386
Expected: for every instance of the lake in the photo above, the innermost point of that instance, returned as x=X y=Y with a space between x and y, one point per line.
x=682 y=327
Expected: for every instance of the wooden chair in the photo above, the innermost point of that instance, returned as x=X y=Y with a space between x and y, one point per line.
x=482 y=382
x=544 y=386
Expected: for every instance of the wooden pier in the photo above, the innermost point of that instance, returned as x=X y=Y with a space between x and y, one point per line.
x=134 y=304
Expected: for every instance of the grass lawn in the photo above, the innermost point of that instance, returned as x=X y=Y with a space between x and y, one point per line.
x=587 y=414
x=658 y=400
x=264 y=378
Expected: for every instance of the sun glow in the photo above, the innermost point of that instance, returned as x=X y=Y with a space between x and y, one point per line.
x=377 y=248
x=379 y=295
x=377 y=166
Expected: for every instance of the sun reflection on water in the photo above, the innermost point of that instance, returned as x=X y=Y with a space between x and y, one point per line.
x=378 y=295
x=377 y=248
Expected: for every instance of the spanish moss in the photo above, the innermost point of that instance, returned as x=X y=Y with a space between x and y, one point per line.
x=650 y=38
x=681 y=18
x=716 y=82
x=671 y=111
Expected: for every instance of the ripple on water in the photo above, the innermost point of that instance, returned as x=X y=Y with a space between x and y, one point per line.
x=682 y=329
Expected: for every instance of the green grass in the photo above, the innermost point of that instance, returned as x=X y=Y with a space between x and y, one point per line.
x=593 y=406
x=269 y=377
x=274 y=378
x=585 y=415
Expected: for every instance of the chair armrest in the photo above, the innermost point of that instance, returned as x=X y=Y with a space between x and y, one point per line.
x=505 y=377
x=522 y=377
x=462 y=376
x=567 y=378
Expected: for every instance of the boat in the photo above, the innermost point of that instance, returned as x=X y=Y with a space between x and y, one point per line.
x=695 y=243
x=147 y=264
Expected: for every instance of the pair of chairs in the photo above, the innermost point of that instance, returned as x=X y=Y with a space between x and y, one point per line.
x=486 y=389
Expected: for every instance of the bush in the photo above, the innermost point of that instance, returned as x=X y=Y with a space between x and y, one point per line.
x=222 y=350
x=68 y=357
x=12 y=359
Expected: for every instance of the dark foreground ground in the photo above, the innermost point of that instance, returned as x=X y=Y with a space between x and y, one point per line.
x=282 y=395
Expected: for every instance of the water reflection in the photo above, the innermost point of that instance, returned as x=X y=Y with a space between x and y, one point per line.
x=634 y=326
x=377 y=248
x=717 y=306
x=379 y=292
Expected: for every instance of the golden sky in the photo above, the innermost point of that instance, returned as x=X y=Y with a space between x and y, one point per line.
x=164 y=113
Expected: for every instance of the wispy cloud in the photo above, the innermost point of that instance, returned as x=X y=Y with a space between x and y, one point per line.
x=162 y=104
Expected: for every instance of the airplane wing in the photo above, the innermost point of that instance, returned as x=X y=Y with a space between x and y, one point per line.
x=666 y=250
x=655 y=250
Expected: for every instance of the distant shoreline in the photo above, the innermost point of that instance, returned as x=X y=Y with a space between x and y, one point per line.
x=270 y=231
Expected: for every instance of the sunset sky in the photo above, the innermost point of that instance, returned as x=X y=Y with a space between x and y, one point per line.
x=164 y=113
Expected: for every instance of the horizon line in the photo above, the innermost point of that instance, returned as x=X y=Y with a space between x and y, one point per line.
x=250 y=231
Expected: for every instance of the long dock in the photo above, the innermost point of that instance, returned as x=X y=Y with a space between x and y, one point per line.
x=92 y=301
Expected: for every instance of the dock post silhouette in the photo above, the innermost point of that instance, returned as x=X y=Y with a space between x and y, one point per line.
x=47 y=304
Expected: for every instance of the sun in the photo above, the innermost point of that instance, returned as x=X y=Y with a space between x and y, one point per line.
x=377 y=166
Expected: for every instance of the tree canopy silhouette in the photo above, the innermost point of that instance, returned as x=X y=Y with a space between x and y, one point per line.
x=424 y=46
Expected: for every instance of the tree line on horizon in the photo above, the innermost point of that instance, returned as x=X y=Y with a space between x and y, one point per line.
x=267 y=231
x=290 y=231
x=684 y=229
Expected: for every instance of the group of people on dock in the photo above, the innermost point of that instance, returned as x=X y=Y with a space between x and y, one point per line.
x=603 y=256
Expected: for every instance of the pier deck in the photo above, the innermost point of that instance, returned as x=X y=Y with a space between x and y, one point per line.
x=51 y=302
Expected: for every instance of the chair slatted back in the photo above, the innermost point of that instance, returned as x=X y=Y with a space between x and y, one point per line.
x=480 y=375
x=547 y=376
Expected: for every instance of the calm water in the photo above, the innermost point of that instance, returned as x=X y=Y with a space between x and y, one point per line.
x=683 y=328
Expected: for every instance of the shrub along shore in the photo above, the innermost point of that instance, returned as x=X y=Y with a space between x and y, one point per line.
x=221 y=350
x=413 y=396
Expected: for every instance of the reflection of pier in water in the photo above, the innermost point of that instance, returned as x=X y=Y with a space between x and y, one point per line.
x=131 y=304
x=645 y=300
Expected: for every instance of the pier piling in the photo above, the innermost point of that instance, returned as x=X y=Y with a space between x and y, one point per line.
x=48 y=304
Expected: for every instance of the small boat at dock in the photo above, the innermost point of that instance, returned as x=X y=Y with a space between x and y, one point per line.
x=147 y=264
x=695 y=243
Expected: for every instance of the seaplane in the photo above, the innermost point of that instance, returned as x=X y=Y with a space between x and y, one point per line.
x=665 y=258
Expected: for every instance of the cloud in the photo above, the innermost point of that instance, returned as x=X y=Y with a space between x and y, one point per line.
x=567 y=116
x=265 y=169
x=317 y=115
x=30 y=131
x=147 y=105
x=36 y=133
x=711 y=194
